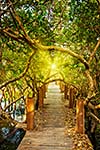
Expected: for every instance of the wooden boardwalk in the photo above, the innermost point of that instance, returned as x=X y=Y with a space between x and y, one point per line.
x=52 y=134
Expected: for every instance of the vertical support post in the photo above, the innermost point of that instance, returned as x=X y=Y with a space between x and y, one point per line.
x=65 y=92
x=43 y=90
x=41 y=97
x=30 y=113
x=71 y=98
x=1 y=95
x=62 y=87
x=0 y=106
x=80 y=111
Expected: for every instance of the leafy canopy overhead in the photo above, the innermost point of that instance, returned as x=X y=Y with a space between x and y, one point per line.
x=72 y=24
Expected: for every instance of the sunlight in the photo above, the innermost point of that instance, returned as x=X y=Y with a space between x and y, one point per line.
x=0 y=96
x=53 y=66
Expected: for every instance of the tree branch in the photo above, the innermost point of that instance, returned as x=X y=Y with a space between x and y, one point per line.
x=35 y=44
x=21 y=75
x=97 y=106
x=54 y=80
x=95 y=117
x=12 y=34
x=91 y=92
x=42 y=47
x=98 y=1
x=25 y=35
x=94 y=51
x=13 y=102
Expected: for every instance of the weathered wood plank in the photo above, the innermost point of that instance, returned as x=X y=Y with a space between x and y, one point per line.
x=52 y=135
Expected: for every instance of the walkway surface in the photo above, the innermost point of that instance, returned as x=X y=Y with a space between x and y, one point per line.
x=52 y=135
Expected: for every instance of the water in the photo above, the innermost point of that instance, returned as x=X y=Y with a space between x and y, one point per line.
x=11 y=141
x=10 y=136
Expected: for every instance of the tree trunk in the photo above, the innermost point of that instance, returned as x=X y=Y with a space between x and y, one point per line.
x=66 y=92
x=43 y=90
x=80 y=116
x=30 y=113
x=62 y=87
x=71 y=103
x=41 y=98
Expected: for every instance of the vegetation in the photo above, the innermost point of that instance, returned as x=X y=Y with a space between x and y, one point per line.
x=36 y=34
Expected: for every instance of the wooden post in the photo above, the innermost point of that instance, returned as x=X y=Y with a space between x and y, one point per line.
x=71 y=103
x=43 y=90
x=62 y=87
x=41 y=97
x=30 y=113
x=65 y=92
x=80 y=116
x=0 y=103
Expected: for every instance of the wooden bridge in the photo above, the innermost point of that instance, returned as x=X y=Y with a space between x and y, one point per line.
x=53 y=128
x=54 y=124
x=51 y=135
